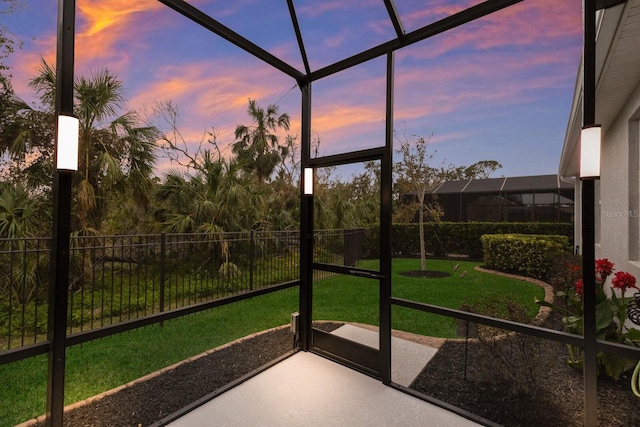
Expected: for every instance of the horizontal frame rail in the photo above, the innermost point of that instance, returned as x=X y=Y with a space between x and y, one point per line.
x=82 y=337
x=352 y=271
x=205 y=21
x=444 y=405
x=17 y=354
x=119 y=278
x=348 y=158
x=105 y=331
x=536 y=331
x=456 y=20
x=207 y=398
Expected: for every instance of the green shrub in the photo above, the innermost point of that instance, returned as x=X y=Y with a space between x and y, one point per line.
x=460 y=238
x=529 y=255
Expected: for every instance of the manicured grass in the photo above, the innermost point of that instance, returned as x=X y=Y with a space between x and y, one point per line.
x=486 y=293
x=106 y=363
x=103 y=364
x=355 y=299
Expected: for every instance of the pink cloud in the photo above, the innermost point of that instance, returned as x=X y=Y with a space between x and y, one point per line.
x=211 y=86
x=104 y=26
x=25 y=69
x=215 y=93
x=489 y=79
x=433 y=13
x=320 y=8
x=209 y=94
x=527 y=23
x=345 y=119
x=335 y=40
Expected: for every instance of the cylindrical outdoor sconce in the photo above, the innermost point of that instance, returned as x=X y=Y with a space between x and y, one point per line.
x=308 y=181
x=590 y=142
x=68 y=135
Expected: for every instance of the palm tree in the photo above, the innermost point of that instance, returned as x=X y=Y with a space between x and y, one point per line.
x=283 y=204
x=116 y=152
x=25 y=143
x=18 y=212
x=22 y=266
x=217 y=198
x=257 y=146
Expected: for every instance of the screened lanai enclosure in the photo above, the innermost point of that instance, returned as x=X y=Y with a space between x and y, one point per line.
x=385 y=38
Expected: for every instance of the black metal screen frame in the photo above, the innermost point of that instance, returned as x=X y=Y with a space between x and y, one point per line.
x=58 y=341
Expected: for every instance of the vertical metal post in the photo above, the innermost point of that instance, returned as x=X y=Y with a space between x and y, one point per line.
x=589 y=305
x=252 y=255
x=386 y=182
x=345 y=257
x=163 y=269
x=590 y=369
x=306 y=225
x=59 y=259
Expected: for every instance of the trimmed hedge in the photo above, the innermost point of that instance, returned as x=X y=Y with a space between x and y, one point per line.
x=460 y=238
x=528 y=255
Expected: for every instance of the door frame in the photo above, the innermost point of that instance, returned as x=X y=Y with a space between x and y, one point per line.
x=375 y=362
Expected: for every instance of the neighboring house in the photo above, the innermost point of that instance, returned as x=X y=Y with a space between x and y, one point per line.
x=540 y=198
x=617 y=210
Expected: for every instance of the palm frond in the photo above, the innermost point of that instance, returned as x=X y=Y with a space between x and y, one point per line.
x=86 y=196
x=45 y=83
x=110 y=168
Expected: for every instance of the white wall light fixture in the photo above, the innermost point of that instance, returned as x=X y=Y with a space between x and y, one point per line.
x=590 y=142
x=308 y=181
x=68 y=135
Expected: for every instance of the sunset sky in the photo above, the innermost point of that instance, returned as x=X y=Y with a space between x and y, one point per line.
x=497 y=89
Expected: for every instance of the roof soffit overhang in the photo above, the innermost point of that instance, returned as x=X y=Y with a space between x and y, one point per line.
x=610 y=25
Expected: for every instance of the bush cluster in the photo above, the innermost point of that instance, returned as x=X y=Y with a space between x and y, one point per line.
x=459 y=238
x=528 y=255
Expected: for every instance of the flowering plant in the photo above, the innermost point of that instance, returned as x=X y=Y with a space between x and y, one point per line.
x=611 y=313
x=604 y=268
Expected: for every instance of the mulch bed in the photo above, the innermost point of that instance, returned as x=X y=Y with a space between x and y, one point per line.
x=522 y=381
x=539 y=389
x=148 y=401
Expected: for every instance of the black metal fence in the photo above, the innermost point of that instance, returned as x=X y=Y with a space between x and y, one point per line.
x=124 y=277
x=24 y=264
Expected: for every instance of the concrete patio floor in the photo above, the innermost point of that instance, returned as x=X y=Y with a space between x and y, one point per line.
x=309 y=390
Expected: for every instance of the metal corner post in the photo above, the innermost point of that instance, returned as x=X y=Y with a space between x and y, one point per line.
x=306 y=226
x=385 y=230
x=60 y=246
x=590 y=369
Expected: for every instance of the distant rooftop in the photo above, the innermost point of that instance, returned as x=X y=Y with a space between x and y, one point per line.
x=535 y=183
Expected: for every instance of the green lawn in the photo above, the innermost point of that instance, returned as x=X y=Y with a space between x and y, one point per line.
x=106 y=363
x=355 y=299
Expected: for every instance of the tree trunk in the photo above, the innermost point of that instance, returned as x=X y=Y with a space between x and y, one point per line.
x=423 y=254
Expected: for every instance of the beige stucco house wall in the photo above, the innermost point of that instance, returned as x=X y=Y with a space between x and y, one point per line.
x=618 y=111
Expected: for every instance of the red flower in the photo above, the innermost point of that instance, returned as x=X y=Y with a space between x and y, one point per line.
x=623 y=280
x=574 y=267
x=604 y=268
x=578 y=286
